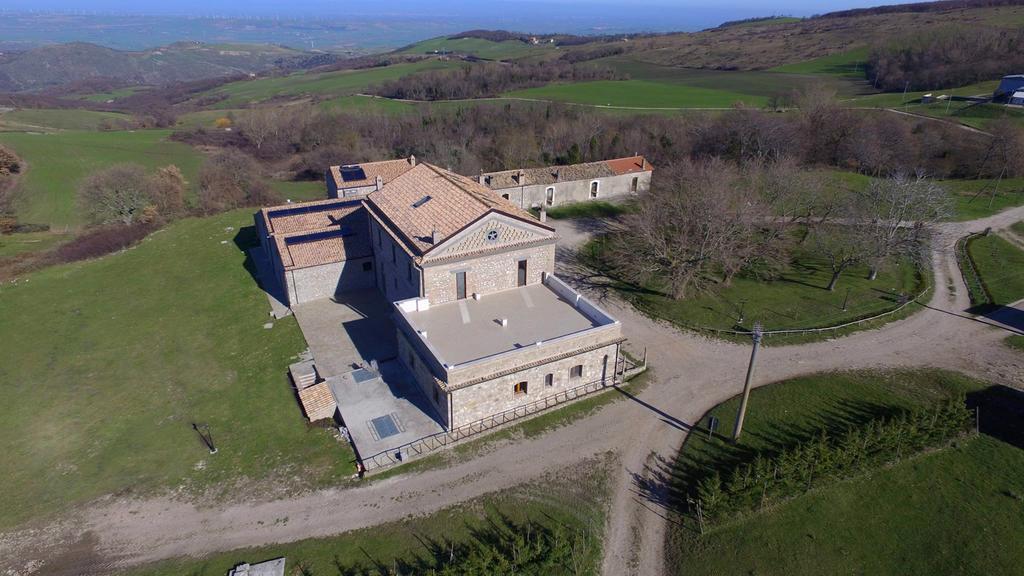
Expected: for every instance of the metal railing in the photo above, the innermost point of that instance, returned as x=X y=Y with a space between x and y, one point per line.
x=427 y=444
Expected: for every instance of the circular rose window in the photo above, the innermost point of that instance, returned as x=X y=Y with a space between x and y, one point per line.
x=492 y=236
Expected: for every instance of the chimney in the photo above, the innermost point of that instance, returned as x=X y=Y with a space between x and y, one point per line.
x=380 y=182
x=433 y=236
x=643 y=163
x=543 y=214
x=480 y=178
x=504 y=322
x=558 y=174
x=519 y=177
x=412 y=160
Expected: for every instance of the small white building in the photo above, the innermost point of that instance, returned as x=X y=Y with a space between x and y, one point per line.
x=1016 y=99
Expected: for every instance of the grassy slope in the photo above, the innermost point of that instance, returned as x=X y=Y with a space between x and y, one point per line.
x=54 y=119
x=119 y=356
x=1001 y=265
x=911 y=102
x=909 y=519
x=1015 y=341
x=56 y=163
x=479 y=47
x=639 y=93
x=341 y=83
x=848 y=64
x=14 y=244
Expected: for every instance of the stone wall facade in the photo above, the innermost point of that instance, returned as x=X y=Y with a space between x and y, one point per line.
x=398 y=276
x=578 y=190
x=416 y=361
x=488 y=273
x=478 y=401
x=316 y=282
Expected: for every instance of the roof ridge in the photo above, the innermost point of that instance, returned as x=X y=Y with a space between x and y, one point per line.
x=440 y=172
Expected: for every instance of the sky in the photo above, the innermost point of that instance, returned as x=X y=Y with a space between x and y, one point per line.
x=728 y=10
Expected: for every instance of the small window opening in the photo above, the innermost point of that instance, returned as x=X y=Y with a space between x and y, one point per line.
x=520 y=388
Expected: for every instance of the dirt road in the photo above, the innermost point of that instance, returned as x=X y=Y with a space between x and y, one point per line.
x=693 y=374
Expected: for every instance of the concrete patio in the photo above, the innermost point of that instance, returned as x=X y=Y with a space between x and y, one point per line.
x=382 y=409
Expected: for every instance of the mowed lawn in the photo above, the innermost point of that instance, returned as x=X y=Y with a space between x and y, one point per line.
x=639 y=94
x=954 y=511
x=796 y=299
x=847 y=64
x=341 y=83
x=1001 y=266
x=106 y=364
x=57 y=162
x=984 y=197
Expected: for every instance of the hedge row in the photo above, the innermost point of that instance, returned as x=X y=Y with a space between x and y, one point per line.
x=769 y=479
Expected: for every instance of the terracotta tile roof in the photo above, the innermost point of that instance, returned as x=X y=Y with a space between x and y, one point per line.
x=305 y=249
x=428 y=200
x=554 y=174
x=388 y=170
x=307 y=216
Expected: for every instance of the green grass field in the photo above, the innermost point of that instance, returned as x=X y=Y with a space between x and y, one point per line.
x=955 y=511
x=983 y=197
x=362 y=104
x=44 y=120
x=342 y=83
x=911 y=102
x=409 y=545
x=119 y=356
x=1001 y=266
x=299 y=191
x=57 y=162
x=848 y=64
x=638 y=94
x=112 y=94
x=14 y=244
x=479 y=47
x=1015 y=341
x=796 y=299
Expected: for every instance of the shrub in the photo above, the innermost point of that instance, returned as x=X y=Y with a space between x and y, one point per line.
x=231 y=179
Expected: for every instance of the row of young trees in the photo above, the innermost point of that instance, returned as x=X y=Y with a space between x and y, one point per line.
x=702 y=223
x=10 y=168
x=771 y=478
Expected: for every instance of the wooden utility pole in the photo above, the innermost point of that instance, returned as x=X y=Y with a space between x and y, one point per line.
x=756 y=335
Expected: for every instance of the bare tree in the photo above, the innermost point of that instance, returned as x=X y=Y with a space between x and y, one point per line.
x=698 y=226
x=167 y=191
x=259 y=125
x=231 y=179
x=117 y=194
x=901 y=210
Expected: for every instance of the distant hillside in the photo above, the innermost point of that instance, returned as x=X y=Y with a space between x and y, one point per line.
x=80 y=63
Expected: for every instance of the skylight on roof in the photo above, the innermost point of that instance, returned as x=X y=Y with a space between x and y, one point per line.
x=421 y=202
x=352 y=173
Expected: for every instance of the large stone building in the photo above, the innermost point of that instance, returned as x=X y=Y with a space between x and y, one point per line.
x=482 y=323
x=557 y=185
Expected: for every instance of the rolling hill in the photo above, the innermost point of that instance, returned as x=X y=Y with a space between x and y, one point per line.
x=74 y=63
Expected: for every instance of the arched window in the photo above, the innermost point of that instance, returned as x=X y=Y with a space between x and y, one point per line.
x=549 y=195
x=593 y=188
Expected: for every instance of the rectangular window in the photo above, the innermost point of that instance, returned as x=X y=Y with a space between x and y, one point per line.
x=550 y=196
x=576 y=371
x=520 y=388
x=437 y=397
x=409 y=272
x=378 y=237
x=460 y=285
x=521 y=279
x=633 y=185
x=394 y=255
x=549 y=380
x=593 y=189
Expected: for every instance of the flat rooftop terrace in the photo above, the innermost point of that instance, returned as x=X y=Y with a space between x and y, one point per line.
x=470 y=329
